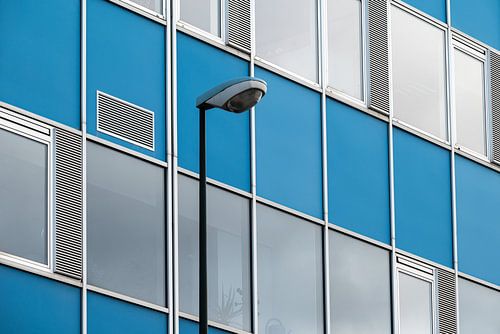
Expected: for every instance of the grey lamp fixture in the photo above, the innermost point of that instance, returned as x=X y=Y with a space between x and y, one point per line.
x=236 y=96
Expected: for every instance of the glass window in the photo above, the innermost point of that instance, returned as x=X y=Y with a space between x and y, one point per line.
x=419 y=76
x=154 y=5
x=228 y=231
x=415 y=305
x=126 y=224
x=203 y=14
x=289 y=255
x=23 y=197
x=360 y=295
x=479 y=308
x=345 y=47
x=469 y=101
x=287 y=35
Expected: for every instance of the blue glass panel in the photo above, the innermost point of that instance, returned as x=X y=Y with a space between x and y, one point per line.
x=40 y=58
x=191 y=327
x=358 y=171
x=478 y=222
x=109 y=315
x=422 y=198
x=479 y=19
x=200 y=67
x=30 y=304
x=126 y=59
x=435 y=8
x=288 y=145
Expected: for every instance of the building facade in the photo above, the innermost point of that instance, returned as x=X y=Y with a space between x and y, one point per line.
x=361 y=194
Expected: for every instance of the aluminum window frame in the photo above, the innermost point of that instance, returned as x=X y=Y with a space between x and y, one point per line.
x=221 y=40
x=41 y=133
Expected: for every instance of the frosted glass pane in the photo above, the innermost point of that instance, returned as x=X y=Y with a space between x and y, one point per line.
x=203 y=14
x=154 y=5
x=479 y=308
x=415 y=305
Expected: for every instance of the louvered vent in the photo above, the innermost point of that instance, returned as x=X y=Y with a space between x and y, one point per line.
x=124 y=120
x=495 y=104
x=446 y=298
x=239 y=30
x=69 y=203
x=378 y=53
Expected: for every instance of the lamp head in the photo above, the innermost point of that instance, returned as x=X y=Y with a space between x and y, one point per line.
x=235 y=95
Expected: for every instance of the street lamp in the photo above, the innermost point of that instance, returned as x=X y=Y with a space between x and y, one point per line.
x=236 y=96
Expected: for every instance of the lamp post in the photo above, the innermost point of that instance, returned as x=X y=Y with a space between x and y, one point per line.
x=236 y=96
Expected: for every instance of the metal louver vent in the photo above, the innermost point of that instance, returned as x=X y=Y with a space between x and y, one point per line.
x=69 y=203
x=378 y=54
x=495 y=104
x=124 y=120
x=446 y=298
x=239 y=28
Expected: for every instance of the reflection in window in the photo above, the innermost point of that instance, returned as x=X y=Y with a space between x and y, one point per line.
x=203 y=14
x=415 y=305
x=287 y=35
x=479 y=308
x=345 y=50
x=154 y=5
x=228 y=229
x=23 y=197
x=126 y=224
x=289 y=257
x=419 y=76
x=360 y=296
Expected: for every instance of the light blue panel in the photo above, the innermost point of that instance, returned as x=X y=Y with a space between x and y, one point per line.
x=358 y=171
x=422 y=198
x=40 y=58
x=191 y=327
x=200 y=67
x=30 y=304
x=479 y=19
x=478 y=222
x=126 y=59
x=435 y=8
x=288 y=145
x=109 y=315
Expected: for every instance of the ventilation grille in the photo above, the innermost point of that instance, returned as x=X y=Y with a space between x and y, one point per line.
x=126 y=121
x=378 y=46
x=446 y=295
x=239 y=31
x=495 y=104
x=69 y=203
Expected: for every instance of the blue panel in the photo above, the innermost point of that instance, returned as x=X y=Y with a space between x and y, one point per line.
x=200 y=67
x=31 y=304
x=478 y=222
x=109 y=315
x=288 y=145
x=422 y=198
x=358 y=172
x=436 y=8
x=40 y=57
x=126 y=59
x=479 y=19
x=191 y=327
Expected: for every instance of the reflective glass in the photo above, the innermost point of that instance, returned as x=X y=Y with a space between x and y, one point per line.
x=154 y=5
x=23 y=197
x=126 y=224
x=345 y=51
x=360 y=295
x=415 y=305
x=287 y=35
x=289 y=269
x=228 y=231
x=203 y=14
x=419 y=76
x=479 y=308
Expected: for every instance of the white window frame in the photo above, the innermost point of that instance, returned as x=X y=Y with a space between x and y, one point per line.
x=144 y=9
x=198 y=31
x=39 y=132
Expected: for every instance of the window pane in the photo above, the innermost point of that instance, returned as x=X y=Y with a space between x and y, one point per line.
x=286 y=35
x=479 y=308
x=228 y=230
x=289 y=273
x=345 y=55
x=154 y=5
x=204 y=14
x=415 y=305
x=23 y=184
x=469 y=102
x=360 y=295
x=126 y=224
x=418 y=60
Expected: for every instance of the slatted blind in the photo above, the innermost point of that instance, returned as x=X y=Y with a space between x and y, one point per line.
x=446 y=302
x=68 y=203
x=495 y=104
x=239 y=24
